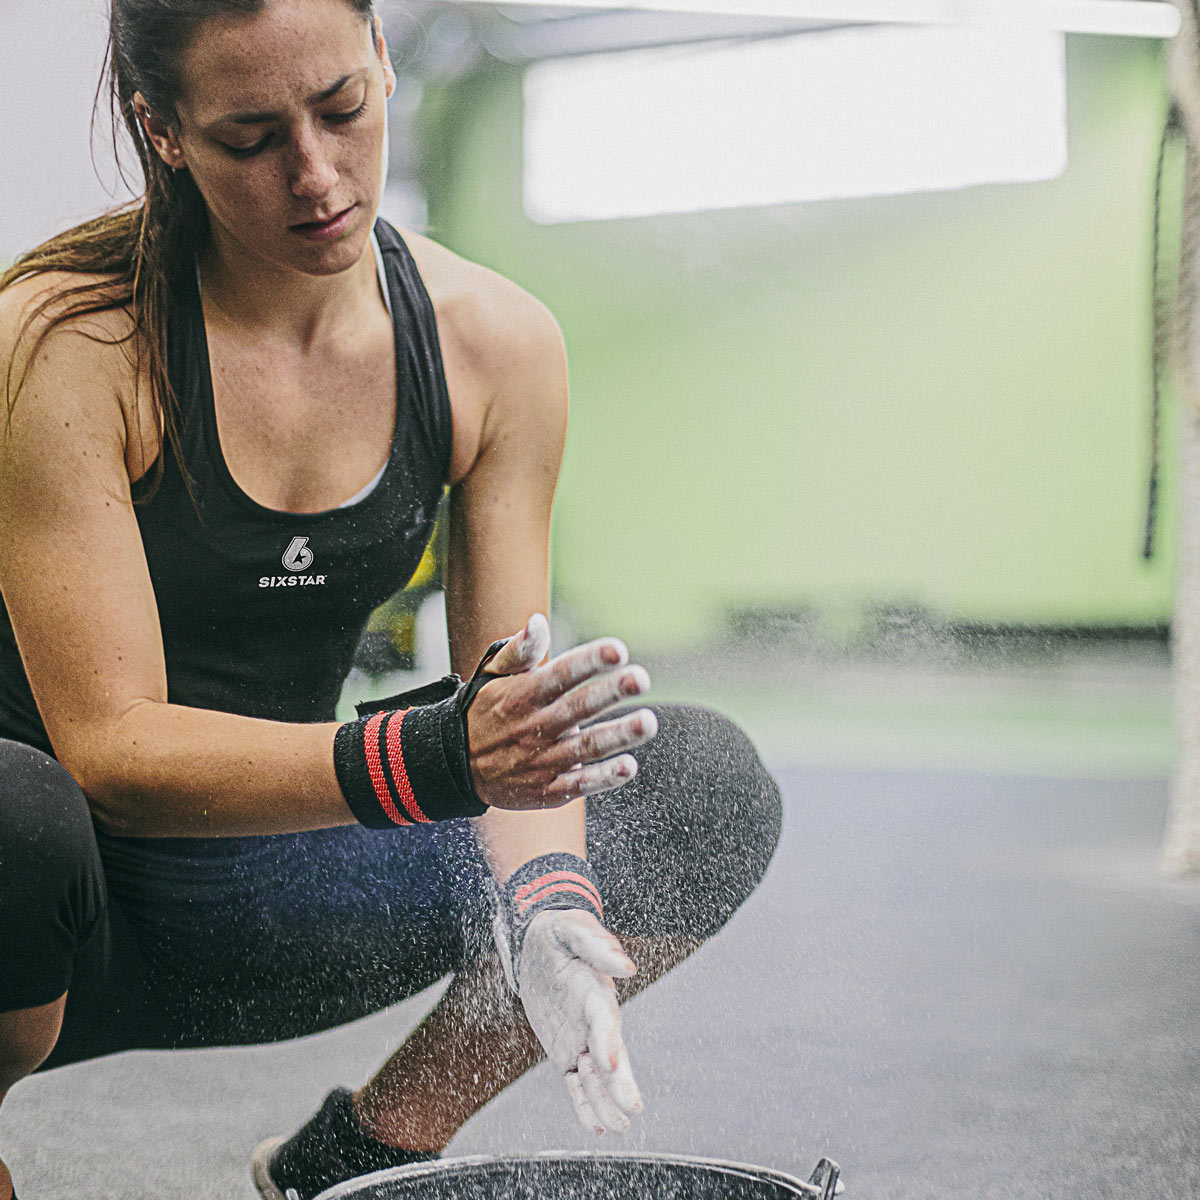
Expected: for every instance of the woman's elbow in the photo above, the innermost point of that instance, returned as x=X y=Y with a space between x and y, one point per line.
x=100 y=765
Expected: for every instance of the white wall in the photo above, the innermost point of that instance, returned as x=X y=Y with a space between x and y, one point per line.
x=50 y=57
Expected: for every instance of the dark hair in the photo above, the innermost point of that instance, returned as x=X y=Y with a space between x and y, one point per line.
x=139 y=248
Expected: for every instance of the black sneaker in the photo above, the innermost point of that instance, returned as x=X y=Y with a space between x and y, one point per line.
x=331 y=1147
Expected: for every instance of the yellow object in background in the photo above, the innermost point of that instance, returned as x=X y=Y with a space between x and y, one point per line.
x=389 y=642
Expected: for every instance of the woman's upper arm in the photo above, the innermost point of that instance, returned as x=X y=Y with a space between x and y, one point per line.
x=72 y=568
x=512 y=384
x=515 y=423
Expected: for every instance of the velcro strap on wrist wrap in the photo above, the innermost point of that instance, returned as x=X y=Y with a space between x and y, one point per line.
x=552 y=881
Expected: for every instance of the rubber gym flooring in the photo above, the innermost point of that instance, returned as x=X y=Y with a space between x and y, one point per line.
x=963 y=976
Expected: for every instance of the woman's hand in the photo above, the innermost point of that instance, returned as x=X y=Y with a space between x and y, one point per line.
x=526 y=748
x=568 y=961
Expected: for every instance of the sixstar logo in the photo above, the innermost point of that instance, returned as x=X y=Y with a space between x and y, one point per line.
x=297 y=557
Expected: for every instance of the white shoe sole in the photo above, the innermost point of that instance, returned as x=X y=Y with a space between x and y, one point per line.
x=259 y=1168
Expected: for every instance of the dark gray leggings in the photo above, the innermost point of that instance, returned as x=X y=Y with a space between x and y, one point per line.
x=221 y=941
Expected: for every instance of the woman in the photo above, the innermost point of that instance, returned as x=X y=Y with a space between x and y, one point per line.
x=232 y=411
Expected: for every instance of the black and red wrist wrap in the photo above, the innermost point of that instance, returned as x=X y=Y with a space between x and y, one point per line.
x=552 y=881
x=406 y=760
x=406 y=767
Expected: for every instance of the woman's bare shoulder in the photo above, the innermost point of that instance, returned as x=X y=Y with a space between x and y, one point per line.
x=483 y=315
x=61 y=364
x=42 y=307
x=504 y=359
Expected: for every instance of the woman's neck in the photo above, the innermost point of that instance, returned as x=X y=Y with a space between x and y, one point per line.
x=283 y=303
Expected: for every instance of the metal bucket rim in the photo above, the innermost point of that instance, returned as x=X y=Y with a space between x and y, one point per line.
x=347 y=1188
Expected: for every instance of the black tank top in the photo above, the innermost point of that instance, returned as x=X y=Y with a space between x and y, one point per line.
x=261 y=610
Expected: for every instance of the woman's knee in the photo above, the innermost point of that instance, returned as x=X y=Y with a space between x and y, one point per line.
x=45 y=824
x=692 y=836
x=52 y=890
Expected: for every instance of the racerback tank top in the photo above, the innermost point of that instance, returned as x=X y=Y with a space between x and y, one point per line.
x=261 y=610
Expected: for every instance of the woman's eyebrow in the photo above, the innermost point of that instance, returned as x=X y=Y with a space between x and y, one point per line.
x=257 y=118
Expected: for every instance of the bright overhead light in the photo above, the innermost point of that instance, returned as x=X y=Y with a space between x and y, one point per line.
x=1128 y=18
x=840 y=114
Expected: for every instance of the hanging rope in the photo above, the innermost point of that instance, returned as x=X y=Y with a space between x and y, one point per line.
x=1164 y=310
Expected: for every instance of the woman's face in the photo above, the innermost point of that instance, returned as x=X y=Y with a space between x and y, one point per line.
x=282 y=125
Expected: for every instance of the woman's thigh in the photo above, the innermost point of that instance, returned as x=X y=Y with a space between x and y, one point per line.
x=261 y=939
x=224 y=941
x=251 y=940
x=183 y=942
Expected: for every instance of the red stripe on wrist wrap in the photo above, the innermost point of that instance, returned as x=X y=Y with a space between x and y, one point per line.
x=556 y=881
x=375 y=767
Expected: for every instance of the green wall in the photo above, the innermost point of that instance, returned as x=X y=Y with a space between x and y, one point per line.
x=937 y=400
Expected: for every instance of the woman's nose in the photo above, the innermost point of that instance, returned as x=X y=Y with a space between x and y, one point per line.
x=311 y=174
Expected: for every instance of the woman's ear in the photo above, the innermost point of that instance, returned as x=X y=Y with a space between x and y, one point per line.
x=389 y=75
x=159 y=133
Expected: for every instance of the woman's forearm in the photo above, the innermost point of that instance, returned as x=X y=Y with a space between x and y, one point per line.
x=509 y=839
x=165 y=770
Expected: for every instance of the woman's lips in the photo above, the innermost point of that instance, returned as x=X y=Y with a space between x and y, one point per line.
x=323 y=231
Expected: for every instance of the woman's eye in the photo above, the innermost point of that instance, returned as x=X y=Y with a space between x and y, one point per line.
x=247 y=151
x=346 y=117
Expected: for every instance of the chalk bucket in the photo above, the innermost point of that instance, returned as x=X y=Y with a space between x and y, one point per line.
x=587 y=1177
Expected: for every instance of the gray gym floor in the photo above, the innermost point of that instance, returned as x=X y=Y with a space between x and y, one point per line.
x=967 y=983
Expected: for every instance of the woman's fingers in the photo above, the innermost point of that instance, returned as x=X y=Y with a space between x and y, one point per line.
x=601 y=740
x=608 y=1053
x=593 y=698
x=596 y=1091
x=588 y=940
x=593 y=779
x=527 y=748
x=596 y=759
x=603 y=1019
x=554 y=688
x=583 y=1109
x=572 y=667
x=623 y=1087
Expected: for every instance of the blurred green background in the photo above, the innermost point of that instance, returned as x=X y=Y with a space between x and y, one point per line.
x=807 y=415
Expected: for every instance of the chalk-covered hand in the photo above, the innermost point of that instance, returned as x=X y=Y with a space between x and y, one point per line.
x=526 y=747
x=565 y=975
